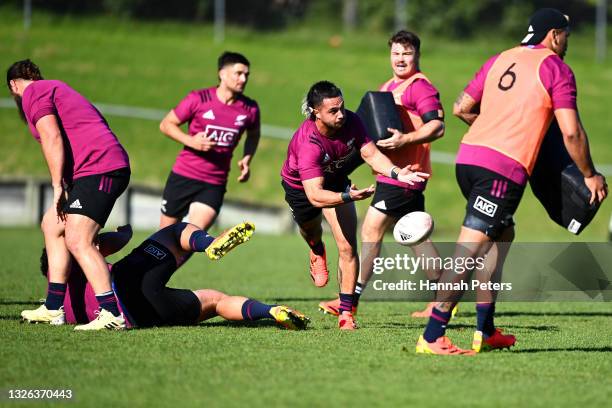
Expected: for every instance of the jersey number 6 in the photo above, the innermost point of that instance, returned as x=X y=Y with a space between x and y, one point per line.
x=507 y=73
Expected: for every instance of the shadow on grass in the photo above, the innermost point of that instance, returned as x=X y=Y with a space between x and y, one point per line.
x=5 y=302
x=551 y=350
x=536 y=314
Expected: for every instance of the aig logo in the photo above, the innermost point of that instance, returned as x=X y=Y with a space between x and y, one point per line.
x=155 y=251
x=224 y=137
x=485 y=206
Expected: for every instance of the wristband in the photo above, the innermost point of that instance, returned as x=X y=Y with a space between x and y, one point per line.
x=346 y=197
x=393 y=173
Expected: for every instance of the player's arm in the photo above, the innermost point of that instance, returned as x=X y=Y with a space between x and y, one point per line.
x=382 y=165
x=321 y=198
x=53 y=149
x=112 y=242
x=171 y=127
x=466 y=108
x=250 y=147
x=430 y=131
x=577 y=145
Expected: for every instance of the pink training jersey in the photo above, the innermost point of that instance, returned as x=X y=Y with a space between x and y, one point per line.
x=220 y=122
x=418 y=98
x=90 y=146
x=80 y=303
x=311 y=155
x=558 y=80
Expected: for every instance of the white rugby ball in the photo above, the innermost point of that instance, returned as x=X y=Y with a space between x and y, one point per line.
x=413 y=228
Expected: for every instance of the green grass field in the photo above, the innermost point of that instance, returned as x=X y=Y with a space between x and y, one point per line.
x=155 y=64
x=562 y=357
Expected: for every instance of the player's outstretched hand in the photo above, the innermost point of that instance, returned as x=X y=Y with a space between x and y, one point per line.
x=361 y=194
x=409 y=176
x=201 y=142
x=396 y=140
x=598 y=187
x=245 y=170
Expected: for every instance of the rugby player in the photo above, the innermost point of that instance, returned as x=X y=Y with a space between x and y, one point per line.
x=140 y=279
x=315 y=182
x=217 y=117
x=89 y=170
x=509 y=106
x=421 y=112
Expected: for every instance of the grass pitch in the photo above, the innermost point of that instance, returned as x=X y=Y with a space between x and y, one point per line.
x=562 y=357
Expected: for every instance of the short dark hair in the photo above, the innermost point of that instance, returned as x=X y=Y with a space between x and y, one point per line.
x=231 y=58
x=24 y=69
x=316 y=94
x=406 y=38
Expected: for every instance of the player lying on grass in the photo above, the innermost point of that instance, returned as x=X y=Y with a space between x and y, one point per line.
x=140 y=278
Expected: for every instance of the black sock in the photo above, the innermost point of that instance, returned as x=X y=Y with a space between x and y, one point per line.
x=346 y=302
x=484 y=318
x=436 y=327
x=55 y=295
x=317 y=247
x=255 y=310
x=357 y=294
x=108 y=302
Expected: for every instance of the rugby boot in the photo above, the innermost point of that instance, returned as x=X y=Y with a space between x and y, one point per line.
x=230 y=239
x=346 y=321
x=318 y=269
x=105 y=320
x=289 y=318
x=44 y=315
x=332 y=307
x=442 y=346
x=496 y=341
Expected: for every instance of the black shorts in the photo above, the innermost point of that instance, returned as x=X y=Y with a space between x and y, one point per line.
x=181 y=191
x=492 y=199
x=396 y=201
x=140 y=285
x=301 y=208
x=94 y=196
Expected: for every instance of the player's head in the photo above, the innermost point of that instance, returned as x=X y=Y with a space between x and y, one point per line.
x=233 y=71
x=324 y=102
x=548 y=27
x=405 y=52
x=44 y=262
x=17 y=76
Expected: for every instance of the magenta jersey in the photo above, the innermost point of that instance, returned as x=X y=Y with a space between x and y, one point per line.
x=418 y=98
x=558 y=80
x=80 y=303
x=90 y=146
x=223 y=123
x=311 y=155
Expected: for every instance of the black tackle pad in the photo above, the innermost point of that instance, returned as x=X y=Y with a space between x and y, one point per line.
x=378 y=112
x=559 y=185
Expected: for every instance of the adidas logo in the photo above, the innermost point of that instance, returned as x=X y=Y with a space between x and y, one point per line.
x=209 y=115
x=381 y=205
x=76 y=204
x=240 y=118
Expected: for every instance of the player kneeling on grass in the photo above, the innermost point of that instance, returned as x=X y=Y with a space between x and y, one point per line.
x=140 y=279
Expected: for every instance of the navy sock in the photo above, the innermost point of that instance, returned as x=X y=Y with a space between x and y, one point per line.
x=200 y=240
x=254 y=310
x=55 y=295
x=317 y=247
x=107 y=301
x=346 y=303
x=357 y=294
x=484 y=318
x=436 y=327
